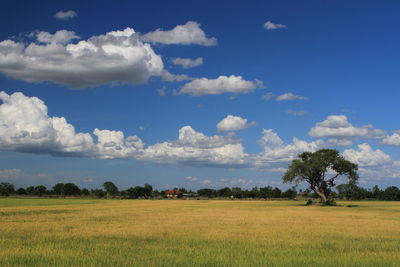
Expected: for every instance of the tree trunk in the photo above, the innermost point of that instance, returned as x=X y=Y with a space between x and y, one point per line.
x=322 y=195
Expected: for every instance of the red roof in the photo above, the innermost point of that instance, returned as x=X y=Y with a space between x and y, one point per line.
x=173 y=192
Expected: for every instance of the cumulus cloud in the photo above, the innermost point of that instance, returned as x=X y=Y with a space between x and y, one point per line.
x=290 y=97
x=275 y=151
x=65 y=15
x=26 y=127
x=273 y=26
x=220 y=85
x=366 y=156
x=196 y=149
x=189 y=33
x=115 y=57
x=187 y=62
x=296 y=113
x=393 y=140
x=234 y=123
x=337 y=126
x=59 y=37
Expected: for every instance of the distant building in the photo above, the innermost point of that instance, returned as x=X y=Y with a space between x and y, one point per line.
x=173 y=193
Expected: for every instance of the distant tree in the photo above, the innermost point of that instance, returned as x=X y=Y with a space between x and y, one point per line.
x=183 y=190
x=266 y=192
x=30 y=190
x=21 y=191
x=391 y=193
x=59 y=189
x=147 y=190
x=6 y=189
x=276 y=193
x=85 y=192
x=253 y=193
x=71 y=189
x=291 y=193
x=100 y=193
x=313 y=167
x=224 y=192
x=352 y=191
x=40 y=190
x=376 y=192
x=110 y=188
x=237 y=192
x=135 y=192
x=207 y=192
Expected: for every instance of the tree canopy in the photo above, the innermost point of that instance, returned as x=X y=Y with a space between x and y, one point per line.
x=320 y=169
x=110 y=188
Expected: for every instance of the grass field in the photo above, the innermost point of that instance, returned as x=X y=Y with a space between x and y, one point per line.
x=76 y=232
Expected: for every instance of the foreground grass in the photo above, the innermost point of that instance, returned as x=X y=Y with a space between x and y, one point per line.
x=76 y=232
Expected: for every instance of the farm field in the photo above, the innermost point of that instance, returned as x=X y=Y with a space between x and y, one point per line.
x=79 y=232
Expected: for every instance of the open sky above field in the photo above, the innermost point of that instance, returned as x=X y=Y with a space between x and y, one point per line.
x=196 y=93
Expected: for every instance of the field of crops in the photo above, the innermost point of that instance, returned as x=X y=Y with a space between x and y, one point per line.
x=78 y=232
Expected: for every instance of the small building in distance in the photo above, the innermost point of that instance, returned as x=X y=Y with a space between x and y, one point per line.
x=173 y=193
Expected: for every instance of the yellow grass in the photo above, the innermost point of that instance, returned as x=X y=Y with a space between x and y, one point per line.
x=57 y=232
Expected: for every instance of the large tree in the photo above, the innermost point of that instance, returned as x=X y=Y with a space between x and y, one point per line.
x=320 y=169
x=110 y=188
x=6 y=189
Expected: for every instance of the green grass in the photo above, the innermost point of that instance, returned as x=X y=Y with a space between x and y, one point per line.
x=79 y=232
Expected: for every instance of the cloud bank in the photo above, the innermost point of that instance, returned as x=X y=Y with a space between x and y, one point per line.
x=25 y=126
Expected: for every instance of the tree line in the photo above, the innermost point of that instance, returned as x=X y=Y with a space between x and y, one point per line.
x=348 y=191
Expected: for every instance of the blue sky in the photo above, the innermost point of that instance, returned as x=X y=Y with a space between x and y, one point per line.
x=196 y=94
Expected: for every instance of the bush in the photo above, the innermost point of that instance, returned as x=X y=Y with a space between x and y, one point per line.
x=330 y=202
x=309 y=202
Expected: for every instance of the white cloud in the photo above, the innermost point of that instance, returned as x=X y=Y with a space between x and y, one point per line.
x=59 y=37
x=334 y=142
x=267 y=96
x=115 y=57
x=64 y=15
x=195 y=149
x=275 y=151
x=26 y=127
x=113 y=144
x=220 y=85
x=289 y=97
x=187 y=62
x=273 y=26
x=192 y=179
x=337 y=126
x=189 y=33
x=393 y=140
x=296 y=113
x=366 y=156
x=169 y=77
x=234 y=123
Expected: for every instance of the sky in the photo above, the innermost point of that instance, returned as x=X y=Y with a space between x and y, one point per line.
x=196 y=94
